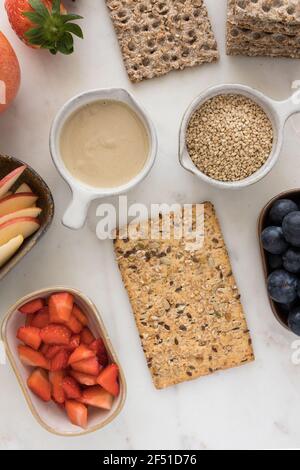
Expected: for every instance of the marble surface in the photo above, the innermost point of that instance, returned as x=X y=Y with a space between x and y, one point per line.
x=253 y=407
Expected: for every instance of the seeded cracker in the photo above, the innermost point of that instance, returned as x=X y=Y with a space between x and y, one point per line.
x=277 y=37
x=268 y=15
x=157 y=37
x=251 y=50
x=186 y=304
x=243 y=38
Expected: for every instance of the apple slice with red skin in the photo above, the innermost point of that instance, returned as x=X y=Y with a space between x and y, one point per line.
x=9 y=180
x=10 y=248
x=25 y=188
x=17 y=202
x=9 y=193
x=24 y=226
x=28 y=212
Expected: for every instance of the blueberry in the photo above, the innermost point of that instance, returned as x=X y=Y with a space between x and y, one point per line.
x=291 y=228
x=294 y=320
x=275 y=261
x=282 y=286
x=280 y=209
x=291 y=261
x=273 y=240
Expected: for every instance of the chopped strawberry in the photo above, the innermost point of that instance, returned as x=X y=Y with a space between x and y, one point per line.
x=74 y=325
x=39 y=384
x=56 y=334
x=108 y=379
x=32 y=358
x=29 y=319
x=56 y=380
x=77 y=413
x=41 y=318
x=79 y=315
x=60 y=307
x=44 y=350
x=71 y=388
x=100 y=350
x=30 y=336
x=88 y=366
x=84 y=379
x=87 y=336
x=74 y=342
x=80 y=354
x=60 y=360
x=97 y=397
x=32 y=307
x=52 y=351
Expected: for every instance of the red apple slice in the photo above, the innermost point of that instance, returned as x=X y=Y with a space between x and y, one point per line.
x=16 y=202
x=24 y=188
x=10 y=248
x=24 y=226
x=9 y=193
x=29 y=212
x=9 y=180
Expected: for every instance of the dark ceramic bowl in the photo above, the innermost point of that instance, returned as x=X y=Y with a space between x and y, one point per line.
x=263 y=222
x=45 y=202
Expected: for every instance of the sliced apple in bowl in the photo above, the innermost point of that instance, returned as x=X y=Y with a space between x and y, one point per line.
x=10 y=248
x=28 y=212
x=16 y=202
x=9 y=193
x=24 y=226
x=9 y=180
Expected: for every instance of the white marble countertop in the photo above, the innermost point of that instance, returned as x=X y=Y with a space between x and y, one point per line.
x=252 y=407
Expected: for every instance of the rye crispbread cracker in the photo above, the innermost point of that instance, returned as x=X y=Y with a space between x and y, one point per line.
x=244 y=37
x=282 y=16
x=260 y=48
x=186 y=303
x=253 y=41
x=257 y=51
x=157 y=37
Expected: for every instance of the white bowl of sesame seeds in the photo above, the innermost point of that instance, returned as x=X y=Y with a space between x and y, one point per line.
x=231 y=135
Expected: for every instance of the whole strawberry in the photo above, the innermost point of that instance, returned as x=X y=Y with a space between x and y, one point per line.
x=44 y=24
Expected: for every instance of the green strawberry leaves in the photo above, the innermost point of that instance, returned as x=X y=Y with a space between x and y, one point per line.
x=52 y=30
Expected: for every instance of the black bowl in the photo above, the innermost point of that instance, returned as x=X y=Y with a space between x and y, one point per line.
x=45 y=202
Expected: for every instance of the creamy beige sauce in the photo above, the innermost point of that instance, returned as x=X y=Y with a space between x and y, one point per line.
x=104 y=144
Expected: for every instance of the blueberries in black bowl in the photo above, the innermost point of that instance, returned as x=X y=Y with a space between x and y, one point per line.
x=275 y=261
x=291 y=261
x=291 y=228
x=280 y=239
x=294 y=320
x=280 y=209
x=283 y=286
x=273 y=240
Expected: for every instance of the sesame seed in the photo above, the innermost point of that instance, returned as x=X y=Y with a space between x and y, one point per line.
x=229 y=137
